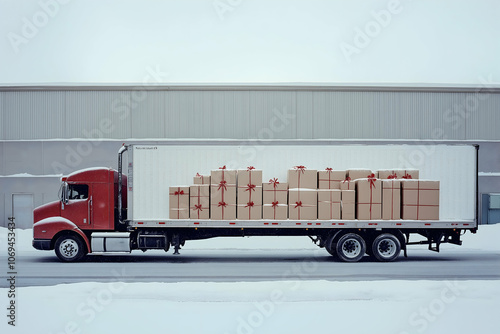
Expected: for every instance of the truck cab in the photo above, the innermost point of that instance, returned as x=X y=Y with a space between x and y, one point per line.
x=88 y=202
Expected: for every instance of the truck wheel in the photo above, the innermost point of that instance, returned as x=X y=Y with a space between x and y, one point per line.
x=386 y=247
x=69 y=248
x=350 y=247
x=329 y=245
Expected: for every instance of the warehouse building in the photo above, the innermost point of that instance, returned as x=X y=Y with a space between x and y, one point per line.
x=50 y=131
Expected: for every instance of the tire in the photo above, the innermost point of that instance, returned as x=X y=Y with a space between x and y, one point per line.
x=386 y=247
x=70 y=248
x=329 y=245
x=350 y=247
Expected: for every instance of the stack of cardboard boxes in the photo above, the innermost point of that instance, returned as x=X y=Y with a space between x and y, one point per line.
x=308 y=195
x=249 y=194
x=223 y=194
x=303 y=194
x=329 y=193
x=275 y=199
x=178 y=202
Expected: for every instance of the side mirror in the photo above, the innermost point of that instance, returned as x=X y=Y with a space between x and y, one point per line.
x=64 y=193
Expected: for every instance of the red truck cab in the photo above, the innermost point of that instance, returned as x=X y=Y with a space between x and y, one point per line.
x=87 y=202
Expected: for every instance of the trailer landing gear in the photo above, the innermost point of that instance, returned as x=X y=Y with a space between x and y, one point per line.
x=176 y=243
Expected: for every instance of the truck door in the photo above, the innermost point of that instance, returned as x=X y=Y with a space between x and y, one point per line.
x=78 y=205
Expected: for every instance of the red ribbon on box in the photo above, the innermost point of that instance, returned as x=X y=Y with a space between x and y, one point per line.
x=330 y=180
x=275 y=183
x=223 y=205
x=198 y=207
x=274 y=206
x=178 y=193
x=329 y=175
x=371 y=179
x=300 y=169
x=407 y=176
x=201 y=177
x=299 y=205
x=250 y=205
x=348 y=180
x=392 y=176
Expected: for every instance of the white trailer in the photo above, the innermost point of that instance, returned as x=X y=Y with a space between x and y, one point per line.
x=153 y=168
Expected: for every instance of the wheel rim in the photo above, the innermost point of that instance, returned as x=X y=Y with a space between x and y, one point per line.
x=351 y=248
x=386 y=248
x=68 y=248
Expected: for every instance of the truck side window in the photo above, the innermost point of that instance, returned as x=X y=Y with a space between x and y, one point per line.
x=78 y=191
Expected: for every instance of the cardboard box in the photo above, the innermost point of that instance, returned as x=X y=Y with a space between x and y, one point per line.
x=398 y=174
x=347 y=184
x=178 y=200
x=385 y=174
x=201 y=179
x=369 y=199
x=420 y=199
x=329 y=204
x=275 y=191
x=408 y=174
x=249 y=211
x=391 y=199
x=218 y=175
x=302 y=204
x=355 y=174
x=330 y=179
x=348 y=199
x=278 y=211
x=248 y=194
x=226 y=193
x=300 y=177
x=178 y=213
x=199 y=198
x=249 y=176
x=222 y=211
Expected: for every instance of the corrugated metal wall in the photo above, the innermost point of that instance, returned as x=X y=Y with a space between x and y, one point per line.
x=249 y=114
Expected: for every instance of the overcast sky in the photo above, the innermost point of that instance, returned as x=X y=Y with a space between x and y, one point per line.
x=249 y=41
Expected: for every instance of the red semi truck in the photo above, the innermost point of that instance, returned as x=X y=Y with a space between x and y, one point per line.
x=103 y=211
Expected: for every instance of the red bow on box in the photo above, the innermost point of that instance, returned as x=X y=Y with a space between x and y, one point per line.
x=249 y=204
x=223 y=167
x=274 y=182
x=222 y=185
x=300 y=168
x=407 y=176
x=275 y=204
x=347 y=179
x=179 y=192
x=392 y=176
x=250 y=187
x=250 y=168
x=372 y=180
x=223 y=204
x=198 y=207
x=329 y=169
x=297 y=204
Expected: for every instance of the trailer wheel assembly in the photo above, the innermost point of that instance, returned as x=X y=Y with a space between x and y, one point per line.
x=70 y=248
x=386 y=247
x=350 y=247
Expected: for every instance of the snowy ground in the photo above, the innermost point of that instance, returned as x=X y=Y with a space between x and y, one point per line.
x=259 y=307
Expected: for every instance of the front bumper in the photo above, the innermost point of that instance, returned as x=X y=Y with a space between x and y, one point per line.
x=41 y=244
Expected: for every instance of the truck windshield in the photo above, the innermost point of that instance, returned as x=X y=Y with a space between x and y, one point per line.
x=78 y=191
